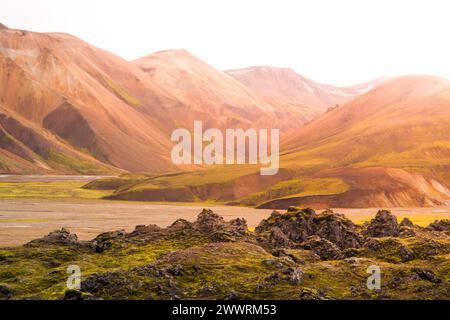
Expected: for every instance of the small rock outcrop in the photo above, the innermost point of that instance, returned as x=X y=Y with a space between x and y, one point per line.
x=311 y=294
x=297 y=225
x=325 y=249
x=105 y=240
x=440 y=225
x=6 y=292
x=218 y=229
x=337 y=229
x=406 y=223
x=58 y=237
x=390 y=249
x=208 y=223
x=384 y=225
x=426 y=274
x=295 y=276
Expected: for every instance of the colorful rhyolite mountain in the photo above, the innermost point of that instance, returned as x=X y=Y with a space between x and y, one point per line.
x=67 y=107
x=285 y=84
x=389 y=147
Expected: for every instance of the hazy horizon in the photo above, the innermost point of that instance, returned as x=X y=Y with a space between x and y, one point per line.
x=334 y=43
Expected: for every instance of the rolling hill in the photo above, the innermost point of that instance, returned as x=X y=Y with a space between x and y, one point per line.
x=389 y=147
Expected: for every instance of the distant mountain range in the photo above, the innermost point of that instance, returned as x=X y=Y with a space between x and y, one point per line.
x=389 y=147
x=286 y=85
x=69 y=107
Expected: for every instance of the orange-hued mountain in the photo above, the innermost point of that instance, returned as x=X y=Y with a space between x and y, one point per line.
x=400 y=131
x=389 y=147
x=285 y=84
x=217 y=98
x=67 y=106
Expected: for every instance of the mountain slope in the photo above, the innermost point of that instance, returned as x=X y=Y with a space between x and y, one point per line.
x=217 y=98
x=118 y=113
x=81 y=95
x=395 y=117
x=285 y=84
x=389 y=147
x=404 y=124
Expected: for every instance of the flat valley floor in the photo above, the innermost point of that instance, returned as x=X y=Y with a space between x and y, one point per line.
x=24 y=220
x=33 y=206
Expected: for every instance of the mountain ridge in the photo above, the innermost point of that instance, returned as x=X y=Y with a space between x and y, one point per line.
x=287 y=84
x=120 y=112
x=388 y=147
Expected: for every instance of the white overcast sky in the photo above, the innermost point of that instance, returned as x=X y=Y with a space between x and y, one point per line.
x=337 y=42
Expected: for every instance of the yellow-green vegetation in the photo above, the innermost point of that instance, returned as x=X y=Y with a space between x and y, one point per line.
x=216 y=175
x=212 y=185
x=117 y=183
x=65 y=162
x=212 y=271
x=297 y=188
x=48 y=190
x=121 y=92
x=214 y=259
x=427 y=155
x=42 y=271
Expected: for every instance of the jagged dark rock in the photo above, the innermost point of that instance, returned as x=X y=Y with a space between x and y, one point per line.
x=390 y=249
x=440 y=225
x=279 y=239
x=175 y=270
x=337 y=229
x=214 y=259
x=3 y=27
x=208 y=289
x=238 y=226
x=144 y=229
x=113 y=284
x=208 y=223
x=274 y=277
x=311 y=294
x=282 y=253
x=6 y=292
x=384 y=225
x=406 y=254
x=232 y=295
x=294 y=225
x=58 y=237
x=425 y=248
x=350 y=252
x=406 y=232
x=273 y=264
x=297 y=225
x=406 y=223
x=426 y=274
x=325 y=249
x=295 y=275
x=105 y=240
